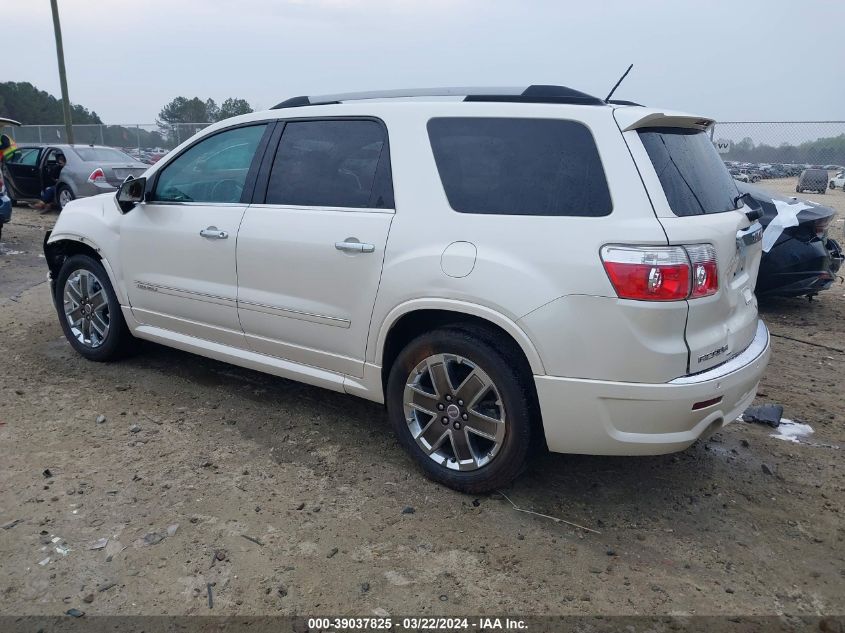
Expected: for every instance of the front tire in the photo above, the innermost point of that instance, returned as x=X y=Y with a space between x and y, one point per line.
x=89 y=311
x=461 y=409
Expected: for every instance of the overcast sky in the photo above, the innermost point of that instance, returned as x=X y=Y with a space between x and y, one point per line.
x=731 y=60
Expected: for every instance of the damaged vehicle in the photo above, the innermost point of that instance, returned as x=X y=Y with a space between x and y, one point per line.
x=509 y=268
x=799 y=257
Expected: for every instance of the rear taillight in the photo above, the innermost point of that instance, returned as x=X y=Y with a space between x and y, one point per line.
x=821 y=226
x=705 y=273
x=97 y=176
x=661 y=273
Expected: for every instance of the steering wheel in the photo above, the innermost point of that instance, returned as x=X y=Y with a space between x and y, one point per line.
x=228 y=190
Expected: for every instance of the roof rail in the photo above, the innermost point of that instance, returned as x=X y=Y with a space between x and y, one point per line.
x=531 y=94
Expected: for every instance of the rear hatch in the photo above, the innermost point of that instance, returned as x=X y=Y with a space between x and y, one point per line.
x=693 y=196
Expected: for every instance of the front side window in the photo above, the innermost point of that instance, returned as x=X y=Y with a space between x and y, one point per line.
x=690 y=170
x=512 y=166
x=213 y=170
x=332 y=163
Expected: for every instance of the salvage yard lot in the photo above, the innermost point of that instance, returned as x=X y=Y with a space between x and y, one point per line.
x=291 y=499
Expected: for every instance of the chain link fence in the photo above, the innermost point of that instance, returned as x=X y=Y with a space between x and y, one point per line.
x=145 y=141
x=784 y=146
x=788 y=145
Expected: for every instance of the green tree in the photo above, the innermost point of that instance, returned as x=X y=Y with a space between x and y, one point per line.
x=24 y=102
x=233 y=107
x=183 y=117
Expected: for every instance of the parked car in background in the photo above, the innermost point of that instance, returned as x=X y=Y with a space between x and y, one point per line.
x=747 y=175
x=804 y=259
x=89 y=170
x=812 y=180
x=507 y=268
x=838 y=181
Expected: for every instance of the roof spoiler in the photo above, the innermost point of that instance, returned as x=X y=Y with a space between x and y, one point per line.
x=634 y=119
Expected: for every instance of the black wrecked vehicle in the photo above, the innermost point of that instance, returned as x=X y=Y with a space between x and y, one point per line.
x=799 y=258
x=812 y=180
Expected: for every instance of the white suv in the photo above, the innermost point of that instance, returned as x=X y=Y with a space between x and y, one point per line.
x=500 y=267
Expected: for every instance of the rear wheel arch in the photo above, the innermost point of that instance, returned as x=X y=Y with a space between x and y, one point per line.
x=404 y=325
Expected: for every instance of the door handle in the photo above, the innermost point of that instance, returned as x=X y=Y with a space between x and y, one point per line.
x=214 y=233
x=351 y=245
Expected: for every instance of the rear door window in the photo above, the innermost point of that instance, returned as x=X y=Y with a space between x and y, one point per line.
x=332 y=163
x=510 y=166
x=692 y=174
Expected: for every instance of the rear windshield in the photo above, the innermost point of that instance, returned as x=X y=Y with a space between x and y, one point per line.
x=103 y=155
x=693 y=176
x=519 y=166
x=815 y=173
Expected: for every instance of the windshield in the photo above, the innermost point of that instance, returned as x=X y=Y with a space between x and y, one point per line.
x=103 y=155
x=693 y=176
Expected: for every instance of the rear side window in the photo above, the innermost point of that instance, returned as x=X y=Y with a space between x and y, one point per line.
x=693 y=176
x=512 y=166
x=332 y=163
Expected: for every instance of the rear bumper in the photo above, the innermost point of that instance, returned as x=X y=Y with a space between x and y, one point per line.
x=621 y=418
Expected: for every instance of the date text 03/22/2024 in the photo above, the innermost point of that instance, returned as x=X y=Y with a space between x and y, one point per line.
x=418 y=624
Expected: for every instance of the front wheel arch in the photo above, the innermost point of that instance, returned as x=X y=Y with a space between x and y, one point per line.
x=58 y=250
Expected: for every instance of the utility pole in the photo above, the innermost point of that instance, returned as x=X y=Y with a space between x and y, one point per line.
x=60 y=53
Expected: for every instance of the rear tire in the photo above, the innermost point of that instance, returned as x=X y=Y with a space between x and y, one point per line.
x=89 y=311
x=64 y=195
x=474 y=446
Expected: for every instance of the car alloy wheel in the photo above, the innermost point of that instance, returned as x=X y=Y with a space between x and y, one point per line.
x=454 y=412
x=65 y=197
x=86 y=308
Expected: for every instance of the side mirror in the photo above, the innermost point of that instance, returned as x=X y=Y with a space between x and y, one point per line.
x=131 y=192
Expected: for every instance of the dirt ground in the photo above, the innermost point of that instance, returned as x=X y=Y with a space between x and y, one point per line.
x=288 y=499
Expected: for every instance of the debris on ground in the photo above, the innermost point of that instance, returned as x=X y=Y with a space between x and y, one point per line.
x=792 y=431
x=171 y=529
x=75 y=613
x=253 y=539
x=210 y=599
x=101 y=419
x=11 y=524
x=153 y=538
x=770 y=414
x=546 y=516
x=47 y=474
x=99 y=544
x=408 y=510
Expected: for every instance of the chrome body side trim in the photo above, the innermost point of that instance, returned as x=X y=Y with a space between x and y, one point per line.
x=294 y=314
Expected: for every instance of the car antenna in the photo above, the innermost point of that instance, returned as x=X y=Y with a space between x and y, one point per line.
x=616 y=85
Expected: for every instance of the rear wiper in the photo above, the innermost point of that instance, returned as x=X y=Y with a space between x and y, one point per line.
x=756 y=211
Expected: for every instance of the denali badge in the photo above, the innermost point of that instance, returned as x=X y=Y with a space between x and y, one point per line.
x=141 y=286
x=713 y=354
